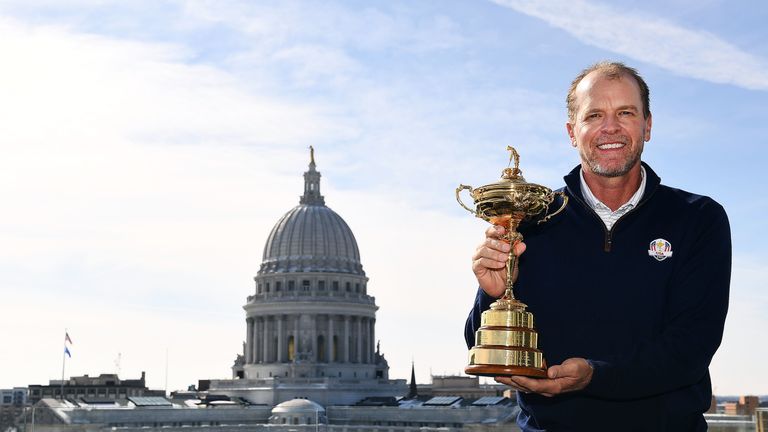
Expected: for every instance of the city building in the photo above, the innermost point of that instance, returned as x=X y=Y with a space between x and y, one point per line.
x=467 y=387
x=310 y=322
x=746 y=405
x=12 y=403
x=761 y=419
x=134 y=414
x=104 y=386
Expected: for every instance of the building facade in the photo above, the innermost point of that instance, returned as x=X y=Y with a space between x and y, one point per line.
x=12 y=403
x=310 y=322
x=104 y=386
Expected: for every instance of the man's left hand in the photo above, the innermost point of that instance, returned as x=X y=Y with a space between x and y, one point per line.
x=574 y=374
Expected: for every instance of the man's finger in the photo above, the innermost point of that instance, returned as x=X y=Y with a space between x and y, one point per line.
x=546 y=387
x=509 y=382
x=496 y=245
x=519 y=248
x=487 y=263
x=495 y=231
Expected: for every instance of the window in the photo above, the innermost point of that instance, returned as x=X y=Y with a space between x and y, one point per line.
x=278 y=286
x=267 y=287
x=335 y=285
x=348 y=286
x=305 y=285
x=321 y=349
x=321 y=285
x=291 y=348
x=357 y=287
x=291 y=285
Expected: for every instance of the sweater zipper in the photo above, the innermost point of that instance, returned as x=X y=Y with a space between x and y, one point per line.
x=608 y=234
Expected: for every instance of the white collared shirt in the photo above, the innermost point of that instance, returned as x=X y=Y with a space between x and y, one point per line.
x=610 y=217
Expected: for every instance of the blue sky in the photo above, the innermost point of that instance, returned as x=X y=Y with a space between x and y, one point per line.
x=149 y=146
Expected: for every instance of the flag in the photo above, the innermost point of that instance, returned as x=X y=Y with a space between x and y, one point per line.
x=66 y=351
x=66 y=338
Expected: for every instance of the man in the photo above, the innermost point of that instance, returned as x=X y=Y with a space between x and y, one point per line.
x=629 y=285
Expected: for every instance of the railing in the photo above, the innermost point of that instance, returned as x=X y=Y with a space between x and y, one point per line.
x=325 y=295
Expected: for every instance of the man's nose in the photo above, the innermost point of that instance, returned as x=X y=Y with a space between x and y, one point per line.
x=610 y=124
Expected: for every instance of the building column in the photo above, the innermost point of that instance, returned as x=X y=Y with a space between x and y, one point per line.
x=280 y=339
x=249 y=341
x=360 y=340
x=265 y=341
x=372 y=340
x=346 y=339
x=257 y=336
x=313 y=337
x=329 y=343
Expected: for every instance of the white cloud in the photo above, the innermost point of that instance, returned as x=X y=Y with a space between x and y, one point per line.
x=137 y=193
x=692 y=53
x=331 y=24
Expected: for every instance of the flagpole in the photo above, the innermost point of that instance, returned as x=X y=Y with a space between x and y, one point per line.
x=63 y=364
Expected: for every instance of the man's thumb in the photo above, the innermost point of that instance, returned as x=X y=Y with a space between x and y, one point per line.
x=553 y=372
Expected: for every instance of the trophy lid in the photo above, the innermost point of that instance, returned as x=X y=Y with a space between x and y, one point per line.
x=511 y=178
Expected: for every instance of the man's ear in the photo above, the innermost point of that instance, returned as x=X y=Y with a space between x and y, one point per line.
x=569 y=128
x=648 y=123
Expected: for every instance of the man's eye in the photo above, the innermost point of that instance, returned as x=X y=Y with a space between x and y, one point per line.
x=593 y=116
x=626 y=113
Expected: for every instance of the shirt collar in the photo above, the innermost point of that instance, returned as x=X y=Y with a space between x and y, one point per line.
x=596 y=204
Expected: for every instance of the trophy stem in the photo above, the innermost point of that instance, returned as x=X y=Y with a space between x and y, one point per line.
x=509 y=293
x=513 y=237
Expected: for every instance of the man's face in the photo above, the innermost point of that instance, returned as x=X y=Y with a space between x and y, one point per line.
x=608 y=127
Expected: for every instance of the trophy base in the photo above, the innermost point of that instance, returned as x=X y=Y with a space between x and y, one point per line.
x=501 y=370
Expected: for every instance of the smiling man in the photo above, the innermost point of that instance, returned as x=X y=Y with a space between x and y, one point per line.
x=629 y=285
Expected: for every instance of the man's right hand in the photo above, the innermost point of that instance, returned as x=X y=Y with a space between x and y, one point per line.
x=490 y=261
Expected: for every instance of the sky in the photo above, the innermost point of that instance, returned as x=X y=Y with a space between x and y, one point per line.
x=148 y=147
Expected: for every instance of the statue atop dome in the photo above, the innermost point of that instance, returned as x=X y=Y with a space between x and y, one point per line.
x=312 y=183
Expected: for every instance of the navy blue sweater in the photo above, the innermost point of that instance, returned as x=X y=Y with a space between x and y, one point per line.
x=649 y=327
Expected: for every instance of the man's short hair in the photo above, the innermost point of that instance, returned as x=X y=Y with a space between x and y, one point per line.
x=611 y=70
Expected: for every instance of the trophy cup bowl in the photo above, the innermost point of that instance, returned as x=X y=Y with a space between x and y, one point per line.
x=507 y=342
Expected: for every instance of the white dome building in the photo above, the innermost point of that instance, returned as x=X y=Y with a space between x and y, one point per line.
x=310 y=324
x=298 y=412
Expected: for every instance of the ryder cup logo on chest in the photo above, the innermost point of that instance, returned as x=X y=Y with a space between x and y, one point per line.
x=660 y=249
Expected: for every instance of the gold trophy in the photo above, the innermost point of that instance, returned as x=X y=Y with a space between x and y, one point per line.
x=506 y=342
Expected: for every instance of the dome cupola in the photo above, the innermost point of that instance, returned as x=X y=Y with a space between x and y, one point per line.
x=311 y=237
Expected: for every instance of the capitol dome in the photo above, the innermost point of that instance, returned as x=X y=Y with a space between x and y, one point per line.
x=311 y=237
x=311 y=315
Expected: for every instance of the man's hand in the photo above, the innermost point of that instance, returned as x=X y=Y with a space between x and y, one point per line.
x=574 y=374
x=490 y=261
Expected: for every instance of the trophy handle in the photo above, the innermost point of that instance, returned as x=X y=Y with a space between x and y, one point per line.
x=562 y=207
x=458 y=197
